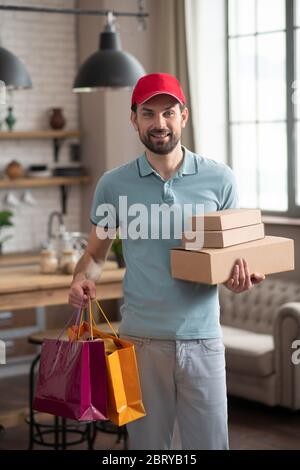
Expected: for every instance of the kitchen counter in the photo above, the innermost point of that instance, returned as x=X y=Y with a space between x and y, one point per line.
x=25 y=287
x=22 y=286
x=19 y=259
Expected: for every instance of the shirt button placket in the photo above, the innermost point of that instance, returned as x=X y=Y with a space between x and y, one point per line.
x=168 y=195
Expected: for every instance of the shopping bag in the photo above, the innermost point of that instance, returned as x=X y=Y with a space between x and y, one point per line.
x=72 y=380
x=124 y=390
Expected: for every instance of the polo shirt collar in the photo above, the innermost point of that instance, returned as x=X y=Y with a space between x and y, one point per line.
x=188 y=167
x=144 y=166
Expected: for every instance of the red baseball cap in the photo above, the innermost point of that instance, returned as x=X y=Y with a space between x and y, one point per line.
x=157 y=84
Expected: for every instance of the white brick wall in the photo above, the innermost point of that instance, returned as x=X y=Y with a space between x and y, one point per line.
x=46 y=43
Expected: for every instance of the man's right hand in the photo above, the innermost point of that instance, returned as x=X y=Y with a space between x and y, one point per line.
x=89 y=267
x=81 y=291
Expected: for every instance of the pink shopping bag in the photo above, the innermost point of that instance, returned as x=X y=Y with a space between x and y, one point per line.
x=72 y=380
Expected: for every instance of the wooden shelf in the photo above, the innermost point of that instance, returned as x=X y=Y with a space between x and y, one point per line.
x=61 y=181
x=50 y=134
x=38 y=182
x=56 y=136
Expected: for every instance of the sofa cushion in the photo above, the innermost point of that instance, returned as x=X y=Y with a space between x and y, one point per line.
x=256 y=309
x=247 y=352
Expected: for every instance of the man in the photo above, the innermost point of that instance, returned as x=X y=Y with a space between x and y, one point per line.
x=174 y=324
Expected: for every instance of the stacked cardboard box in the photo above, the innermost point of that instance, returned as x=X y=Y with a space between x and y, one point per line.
x=224 y=228
x=209 y=256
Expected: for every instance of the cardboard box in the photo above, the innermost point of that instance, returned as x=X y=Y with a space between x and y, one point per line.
x=227 y=219
x=215 y=265
x=222 y=238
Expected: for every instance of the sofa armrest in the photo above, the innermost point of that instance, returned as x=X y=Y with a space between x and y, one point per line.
x=286 y=330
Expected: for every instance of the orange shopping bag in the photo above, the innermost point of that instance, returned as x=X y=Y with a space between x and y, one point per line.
x=124 y=390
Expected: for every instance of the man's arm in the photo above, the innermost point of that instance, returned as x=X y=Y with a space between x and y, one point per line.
x=241 y=280
x=89 y=267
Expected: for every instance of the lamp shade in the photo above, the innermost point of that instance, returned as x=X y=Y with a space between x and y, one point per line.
x=109 y=66
x=12 y=71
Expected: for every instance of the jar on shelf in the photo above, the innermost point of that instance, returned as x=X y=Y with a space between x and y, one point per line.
x=14 y=170
x=57 y=120
x=68 y=261
x=48 y=262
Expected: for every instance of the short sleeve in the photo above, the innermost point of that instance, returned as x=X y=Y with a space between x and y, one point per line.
x=104 y=211
x=229 y=192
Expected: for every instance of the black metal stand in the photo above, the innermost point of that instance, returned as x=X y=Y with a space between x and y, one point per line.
x=111 y=428
x=60 y=430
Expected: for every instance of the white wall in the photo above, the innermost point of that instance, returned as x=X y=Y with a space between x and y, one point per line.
x=47 y=44
x=109 y=138
x=50 y=45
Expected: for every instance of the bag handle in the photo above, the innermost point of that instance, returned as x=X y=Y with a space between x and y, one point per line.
x=89 y=320
x=105 y=317
x=78 y=323
x=78 y=312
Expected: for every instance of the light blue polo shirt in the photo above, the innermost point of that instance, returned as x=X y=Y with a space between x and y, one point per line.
x=155 y=304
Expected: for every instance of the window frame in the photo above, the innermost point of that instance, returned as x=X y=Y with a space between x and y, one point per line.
x=293 y=210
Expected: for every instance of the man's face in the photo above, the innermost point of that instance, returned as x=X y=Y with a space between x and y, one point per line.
x=159 y=122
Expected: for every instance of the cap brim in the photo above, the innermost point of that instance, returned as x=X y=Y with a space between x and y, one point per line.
x=160 y=93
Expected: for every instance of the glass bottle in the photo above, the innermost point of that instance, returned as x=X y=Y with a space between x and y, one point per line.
x=10 y=119
x=68 y=261
x=48 y=261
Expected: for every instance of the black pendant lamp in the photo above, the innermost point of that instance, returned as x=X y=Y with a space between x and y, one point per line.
x=109 y=67
x=13 y=72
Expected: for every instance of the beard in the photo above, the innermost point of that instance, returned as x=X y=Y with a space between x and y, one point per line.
x=160 y=146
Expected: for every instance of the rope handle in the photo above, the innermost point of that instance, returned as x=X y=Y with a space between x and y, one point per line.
x=91 y=320
x=77 y=312
x=106 y=319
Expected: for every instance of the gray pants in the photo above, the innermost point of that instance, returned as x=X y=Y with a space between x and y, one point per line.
x=183 y=381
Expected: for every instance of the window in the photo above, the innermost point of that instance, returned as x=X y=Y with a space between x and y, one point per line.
x=263 y=103
x=296 y=98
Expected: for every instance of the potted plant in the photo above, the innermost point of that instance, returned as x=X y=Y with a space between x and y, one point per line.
x=5 y=222
x=117 y=250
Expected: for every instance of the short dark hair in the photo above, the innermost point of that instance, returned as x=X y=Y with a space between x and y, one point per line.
x=134 y=107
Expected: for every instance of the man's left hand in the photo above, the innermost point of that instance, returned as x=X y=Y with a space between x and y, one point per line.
x=241 y=279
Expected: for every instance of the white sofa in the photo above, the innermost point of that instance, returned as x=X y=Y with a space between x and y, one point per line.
x=259 y=327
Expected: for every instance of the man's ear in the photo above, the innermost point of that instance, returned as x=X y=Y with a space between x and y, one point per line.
x=184 y=117
x=133 y=119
